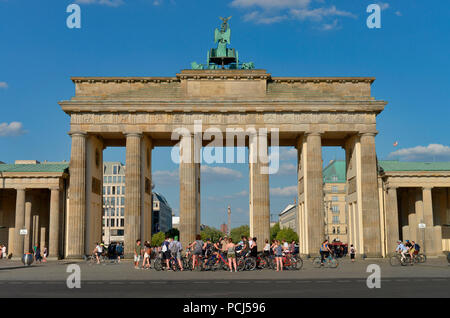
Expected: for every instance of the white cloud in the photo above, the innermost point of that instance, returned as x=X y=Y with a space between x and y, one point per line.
x=432 y=152
x=271 y=11
x=383 y=5
x=319 y=13
x=330 y=26
x=220 y=172
x=260 y=18
x=284 y=192
x=110 y=3
x=271 y=4
x=287 y=169
x=14 y=128
x=3 y=85
x=165 y=177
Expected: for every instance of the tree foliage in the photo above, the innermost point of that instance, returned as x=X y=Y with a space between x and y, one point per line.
x=287 y=234
x=173 y=232
x=158 y=238
x=237 y=232
x=274 y=230
x=211 y=233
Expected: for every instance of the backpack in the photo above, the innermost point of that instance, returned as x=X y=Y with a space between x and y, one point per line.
x=164 y=246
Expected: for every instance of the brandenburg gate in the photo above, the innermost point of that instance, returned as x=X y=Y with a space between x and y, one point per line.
x=141 y=113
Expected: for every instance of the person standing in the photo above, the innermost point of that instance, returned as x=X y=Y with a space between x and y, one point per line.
x=37 y=254
x=197 y=246
x=352 y=252
x=278 y=251
x=266 y=251
x=175 y=250
x=166 y=251
x=137 y=254
x=231 y=255
x=119 y=251
x=45 y=254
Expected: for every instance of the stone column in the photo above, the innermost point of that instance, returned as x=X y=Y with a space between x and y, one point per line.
x=27 y=239
x=431 y=244
x=53 y=249
x=369 y=189
x=19 y=224
x=419 y=216
x=133 y=192
x=189 y=205
x=259 y=188
x=392 y=233
x=146 y=188
x=76 y=215
x=313 y=183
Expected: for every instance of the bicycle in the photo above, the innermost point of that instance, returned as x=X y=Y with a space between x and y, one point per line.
x=289 y=262
x=92 y=259
x=328 y=261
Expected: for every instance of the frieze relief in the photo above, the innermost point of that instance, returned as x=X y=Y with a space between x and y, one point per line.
x=219 y=118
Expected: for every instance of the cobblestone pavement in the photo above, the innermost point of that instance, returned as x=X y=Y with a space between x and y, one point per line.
x=431 y=279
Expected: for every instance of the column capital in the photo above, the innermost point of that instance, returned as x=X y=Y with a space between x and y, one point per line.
x=133 y=134
x=20 y=188
x=367 y=134
x=427 y=188
x=77 y=133
x=392 y=188
x=313 y=133
x=55 y=188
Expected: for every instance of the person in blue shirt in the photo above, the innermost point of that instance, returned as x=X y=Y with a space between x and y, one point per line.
x=402 y=249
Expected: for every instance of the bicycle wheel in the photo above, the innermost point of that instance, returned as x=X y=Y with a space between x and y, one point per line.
x=317 y=262
x=299 y=263
x=240 y=264
x=296 y=263
x=157 y=264
x=395 y=260
x=422 y=258
x=250 y=264
x=333 y=263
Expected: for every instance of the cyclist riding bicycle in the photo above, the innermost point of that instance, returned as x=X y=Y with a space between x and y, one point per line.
x=402 y=249
x=324 y=251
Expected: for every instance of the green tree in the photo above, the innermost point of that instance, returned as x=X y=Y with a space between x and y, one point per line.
x=274 y=230
x=237 y=232
x=158 y=238
x=211 y=233
x=173 y=232
x=287 y=234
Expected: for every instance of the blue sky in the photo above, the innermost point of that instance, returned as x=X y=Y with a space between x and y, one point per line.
x=409 y=56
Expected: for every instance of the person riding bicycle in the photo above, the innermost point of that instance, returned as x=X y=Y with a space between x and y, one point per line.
x=254 y=248
x=324 y=251
x=98 y=250
x=402 y=249
x=416 y=248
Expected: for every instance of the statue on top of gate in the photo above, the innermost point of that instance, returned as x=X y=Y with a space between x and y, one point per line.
x=222 y=56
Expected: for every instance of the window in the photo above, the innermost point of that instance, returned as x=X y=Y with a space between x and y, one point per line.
x=109 y=179
x=113 y=212
x=115 y=170
x=119 y=179
x=335 y=219
x=112 y=222
x=334 y=189
x=338 y=230
x=122 y=201
x=334 y=198
x=113 y=201
x=335 y=209
x=334 y=178
x=105 y=179
x=104 y=190
x=114 y=179
x=113 y=190
x=122 y=221
x=122 y=212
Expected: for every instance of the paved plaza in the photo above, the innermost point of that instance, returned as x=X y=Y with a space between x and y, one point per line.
x=431 y=279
